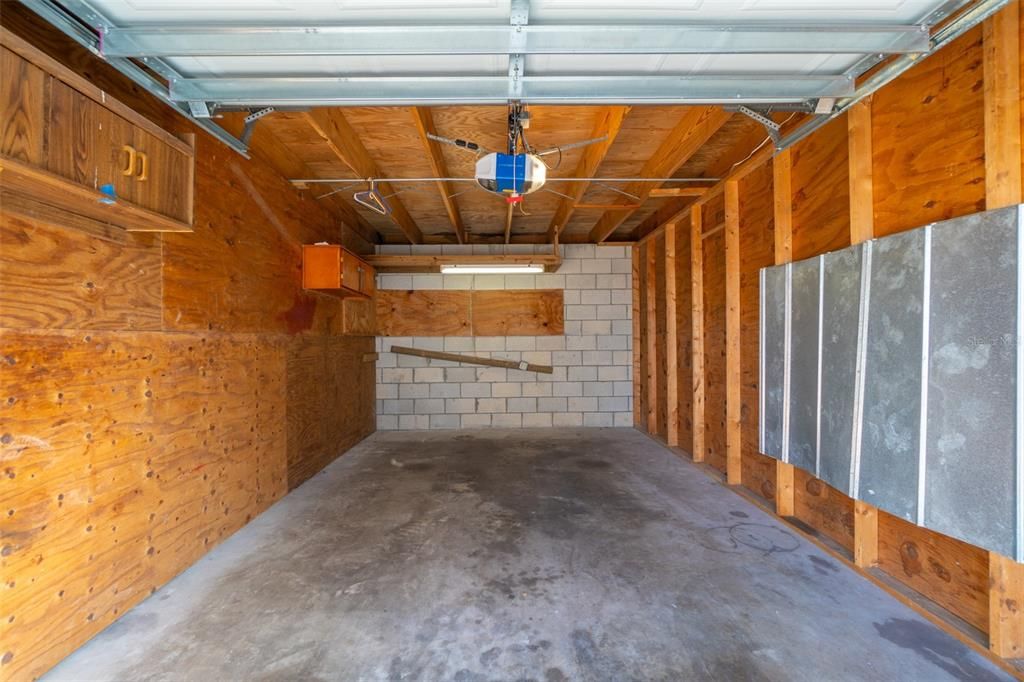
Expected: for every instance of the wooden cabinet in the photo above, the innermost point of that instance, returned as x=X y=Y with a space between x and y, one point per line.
x=336 y=270
x=66 y=143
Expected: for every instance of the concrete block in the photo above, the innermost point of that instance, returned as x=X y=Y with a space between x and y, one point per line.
x=612 y=373
x=413 y=422
x=598 y=388
x=596 y=296
x=611 y=282
x=413 y=390
x=622 y=327
x=387 y=391
x=569 y=358
x=571 y=296
x=582 y=373
x=580 y=312
x=460 y=374
x=522 y=405
x=622 y=357
x=475 y=390
x=457 y=282
x=550 y=280
x=394 y=249
x=572 y=328
x=567 y=419
x=537 y=357
x=622 y=297
x=458 y=344
x=583 y=281
x=386 y=359
x=491 y=374
x=520 y=343
x=394 y=376
x=582 y=404
x=520 y=281
x=598 y=419
x=597 y=357
x=622 y=419
x=622 y=267
x=612 y=252
x=613 y=404
x=402 y=406
x=488 y=343
x=507 y=421
x=428 y=343
x=476 y=421
x=427 y=281
x=596 y=327
x=568 y=388
x=597 y=266
x=490 y=405
x=551 y=404
x=550 y=343
x=378 y=373
x=459 y=405
x=429 y=406
x=558 y=374
x=613 y=342
x=575 y=251
x=411 y=361
x=428 y=374
x=506 y=390
x=538 y=420
x=537 y=389
x=444 y=421
x=457 y=250
x=624 y=388
x=581 y=343
x=612 y=312
x=391 y=281
x=523 y=377
x=488 y=281
x=570 y=267
x=387 y=422
x=445 y=390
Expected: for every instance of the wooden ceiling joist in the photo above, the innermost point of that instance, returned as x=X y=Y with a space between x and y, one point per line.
x=338 y=134
x=694 y=129
x=663 y=192
x=425 y=124
x=608 y=122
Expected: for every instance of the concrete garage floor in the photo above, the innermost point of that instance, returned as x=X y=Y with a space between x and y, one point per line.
x=586 y=554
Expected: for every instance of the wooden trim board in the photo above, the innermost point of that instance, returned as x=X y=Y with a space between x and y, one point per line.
x=473 y=360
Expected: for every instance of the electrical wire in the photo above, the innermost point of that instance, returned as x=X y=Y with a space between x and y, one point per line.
x=762 y=143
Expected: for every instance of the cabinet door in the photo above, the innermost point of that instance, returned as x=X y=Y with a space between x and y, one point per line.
x=161 y=177
x=114 y=140
x=22 y=101
x=72 y=126
x=352 y=272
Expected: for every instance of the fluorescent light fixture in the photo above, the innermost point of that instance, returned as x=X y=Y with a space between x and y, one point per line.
x=510 y=269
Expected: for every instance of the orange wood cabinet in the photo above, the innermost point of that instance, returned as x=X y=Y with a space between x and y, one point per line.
x=336 y=270
x=66 y=143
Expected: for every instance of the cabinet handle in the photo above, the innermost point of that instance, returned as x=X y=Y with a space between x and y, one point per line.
x=129 y=167
x=143 y=167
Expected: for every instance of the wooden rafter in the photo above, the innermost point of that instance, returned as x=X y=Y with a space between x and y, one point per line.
x=425 y=124
x=335 y=130
x=691 y=133
x=607 y=124
x=266 y=146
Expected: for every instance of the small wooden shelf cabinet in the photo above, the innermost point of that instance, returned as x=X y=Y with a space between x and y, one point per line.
x=335 y=270
x=67 y=144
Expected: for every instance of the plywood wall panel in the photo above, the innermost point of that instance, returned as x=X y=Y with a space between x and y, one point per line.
x=641 y=397
x=821 y=191
x=928 y=140
x=947 y=571
x=661 y=325
x=757 y=250
x=714 y=346
x=824 y=509
x=52 y=277
x=518 y=312
x=684 y=334
x=423 y=313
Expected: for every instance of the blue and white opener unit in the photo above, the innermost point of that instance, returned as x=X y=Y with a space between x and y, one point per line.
x=512 y=175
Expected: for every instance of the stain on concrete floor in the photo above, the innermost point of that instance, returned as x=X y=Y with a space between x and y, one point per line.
x=586 y=554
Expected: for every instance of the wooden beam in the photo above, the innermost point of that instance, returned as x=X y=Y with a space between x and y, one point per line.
x=335 y=130
x=695 y=128
x=652 y=339
x=1005 y=599
x=608 y=122
x=689 y=191
x=697 y=327
x=637 y=384
x=671 y=344
x=733 y=399
x=862 y=202
x=508 y=222
x=1002 y=86
x=425 y=124
x=472 y=360
x=865 y=534
x=785 y=474
x=427 y=263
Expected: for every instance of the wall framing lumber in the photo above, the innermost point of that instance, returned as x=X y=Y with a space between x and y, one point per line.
x=671 y=345
x=734 y=462
x=1006 y=617
x=637 y=338
x=697 y=338
x=652 y=339
x=1002 y=85
x=782 y=187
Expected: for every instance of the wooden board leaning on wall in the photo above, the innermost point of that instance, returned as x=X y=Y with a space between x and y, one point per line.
x=524 y=312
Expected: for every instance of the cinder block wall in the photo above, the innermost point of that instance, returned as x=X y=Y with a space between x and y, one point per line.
x=593 y=361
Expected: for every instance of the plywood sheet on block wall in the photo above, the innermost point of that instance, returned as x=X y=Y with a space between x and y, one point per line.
x=508 y=312
x=518 y=313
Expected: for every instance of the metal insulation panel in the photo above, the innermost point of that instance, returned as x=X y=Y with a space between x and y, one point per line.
x=970 y=468
x=890 y=435
x=773 y=354
x=840 y=335
x=803 y=366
